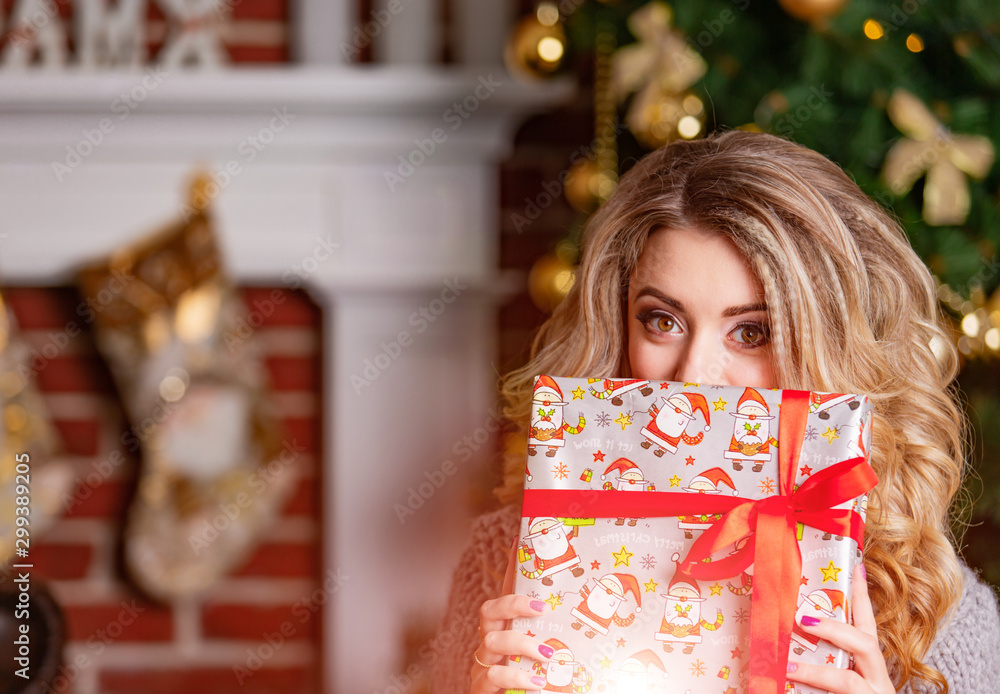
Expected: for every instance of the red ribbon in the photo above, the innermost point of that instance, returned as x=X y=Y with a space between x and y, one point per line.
x=768 y=524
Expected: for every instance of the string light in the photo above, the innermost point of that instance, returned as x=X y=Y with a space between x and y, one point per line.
x=914 y=43
x=873 y=30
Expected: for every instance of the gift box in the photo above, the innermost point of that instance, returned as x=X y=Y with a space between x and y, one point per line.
x=715 y=517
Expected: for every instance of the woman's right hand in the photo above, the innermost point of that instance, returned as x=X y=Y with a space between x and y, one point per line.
x=490 y=674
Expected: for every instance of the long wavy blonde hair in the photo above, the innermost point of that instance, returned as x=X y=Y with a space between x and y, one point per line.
x=851 y=308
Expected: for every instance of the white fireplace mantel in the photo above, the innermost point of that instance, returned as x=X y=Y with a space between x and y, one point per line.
x=319 y=182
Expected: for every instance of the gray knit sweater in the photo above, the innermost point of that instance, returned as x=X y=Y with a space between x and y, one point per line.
x=966 y=650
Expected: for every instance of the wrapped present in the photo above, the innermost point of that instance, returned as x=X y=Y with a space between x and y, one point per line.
x=749 y=514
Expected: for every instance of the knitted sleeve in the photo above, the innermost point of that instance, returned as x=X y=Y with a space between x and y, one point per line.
x=967 y=649
x=477 y=578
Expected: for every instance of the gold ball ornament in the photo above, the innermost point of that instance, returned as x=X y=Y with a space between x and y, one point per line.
x=666 y=118
x=535 y=49
x=587 y=186
x=813 y=10
x=549 y=281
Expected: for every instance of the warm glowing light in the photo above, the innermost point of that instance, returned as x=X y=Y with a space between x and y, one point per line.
x=914 y=43
x=15 y=417
x=550 y=49
x=992 y=338
x=563 y=281
x=197 y=314
x=547 y=13
x=970 y=325
x=174 y=385
x=688 y=127
x=693 y=105
x=873 y=29
x=939 y=347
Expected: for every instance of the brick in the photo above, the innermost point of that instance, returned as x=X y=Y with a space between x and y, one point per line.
x=304 y=501
x=43 y=308
x=282 y=559
x=106 y=500
x=253 y=622
x=258 y=54
x=129 y=619
x=305 y=431
x=260 y=9
x=295 y=309
x=79 y=436
x=76 y=374
x=294 y=373
x=61 y=561
x=230 y=680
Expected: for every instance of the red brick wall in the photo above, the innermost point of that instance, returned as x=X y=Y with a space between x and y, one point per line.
x=269 y=608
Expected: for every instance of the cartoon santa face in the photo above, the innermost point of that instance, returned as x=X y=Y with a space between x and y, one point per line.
x=632 y=481
x=683 y=606
x=548 y=539
x=547 y=411
x=604 y=599
x=561 y=670
x=702 y=486
x=672 y=418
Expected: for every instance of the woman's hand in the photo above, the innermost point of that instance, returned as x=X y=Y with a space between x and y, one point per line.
x=489 y=673
x=869 y=673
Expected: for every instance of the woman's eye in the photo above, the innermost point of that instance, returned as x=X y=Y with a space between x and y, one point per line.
x=658 y=322
x=751 y=334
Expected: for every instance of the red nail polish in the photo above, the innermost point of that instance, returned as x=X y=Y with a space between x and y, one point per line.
x=546 y=650
x=792 y=667
x=864 y=572
x=537 y=605
x=539 y=681
x=808 y=621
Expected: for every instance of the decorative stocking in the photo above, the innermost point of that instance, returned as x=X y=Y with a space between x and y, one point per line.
x=211 y=477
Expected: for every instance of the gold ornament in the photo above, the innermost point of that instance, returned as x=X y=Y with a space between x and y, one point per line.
x=587 y=186
x=812 y=10
x=661 y=67
x=537 y=44
x=549 y=281
x=931 y=148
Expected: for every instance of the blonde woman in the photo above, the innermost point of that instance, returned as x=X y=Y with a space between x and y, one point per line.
x=744 y=259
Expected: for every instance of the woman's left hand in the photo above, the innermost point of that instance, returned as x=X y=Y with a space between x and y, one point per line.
x=869 y=673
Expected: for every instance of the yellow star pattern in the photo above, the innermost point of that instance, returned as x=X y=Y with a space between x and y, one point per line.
x=690 y=384
x=605 y=663
x=720 y=405
x=578 y=393
x=554 y=600
x=830 y=572
x=623 y=419
x=830 y=435
x=650 y=586
x=675 y=481
x=716 y=589
x=622 y=557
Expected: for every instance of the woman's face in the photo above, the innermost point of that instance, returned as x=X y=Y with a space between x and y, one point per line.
x=696 y=313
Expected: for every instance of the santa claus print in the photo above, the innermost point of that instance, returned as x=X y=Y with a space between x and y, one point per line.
x=641 y=673
x=563 y=673
x=711 y=481
x=670 y=419
x=612 y=389
x=547 y=545
x=602 y=599
x=751 y=441
x=682 y=621
x=820 y=603
x=547 y=424
x=630 y=479
x=819 y=403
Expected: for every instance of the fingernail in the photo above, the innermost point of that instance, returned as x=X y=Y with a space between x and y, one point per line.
x=546 y=650
x=864 y=572
x=792 y=667
x=808 y=621
x=539 y=681
x=537 y=605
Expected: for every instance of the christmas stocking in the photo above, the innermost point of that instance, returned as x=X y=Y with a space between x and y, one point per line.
x=32 y=484
x=195 y=396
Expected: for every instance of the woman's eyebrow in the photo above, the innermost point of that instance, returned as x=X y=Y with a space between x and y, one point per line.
x=745 y=308
x=657 y=294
